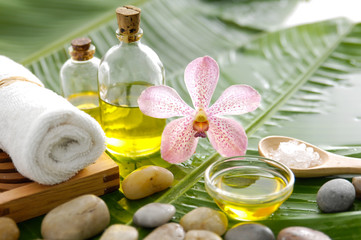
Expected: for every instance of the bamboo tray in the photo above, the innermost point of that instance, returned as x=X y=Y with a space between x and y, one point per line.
x=22 y=199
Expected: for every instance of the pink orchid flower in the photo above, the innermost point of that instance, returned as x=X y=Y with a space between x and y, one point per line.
x=180 y=136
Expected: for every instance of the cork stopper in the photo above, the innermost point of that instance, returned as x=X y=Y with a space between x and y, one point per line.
x=81 y=49
x=81 y=44
x=128 y=19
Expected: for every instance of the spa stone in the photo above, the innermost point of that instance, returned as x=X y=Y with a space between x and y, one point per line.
x=8 y=229
x=356 y=182
x=204 y=218
x=120 y=231
x=250 y=231
x=301 y=233
x=154 y=214
x=201 y=235
x=80 y=218
x=145 y=181
x=168 y=231
x=336 y=195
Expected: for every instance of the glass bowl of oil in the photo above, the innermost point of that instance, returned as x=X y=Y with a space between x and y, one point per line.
x=248 y=188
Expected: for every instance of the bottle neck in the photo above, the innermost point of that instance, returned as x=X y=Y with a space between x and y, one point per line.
x=129 y=38
x=78 y=55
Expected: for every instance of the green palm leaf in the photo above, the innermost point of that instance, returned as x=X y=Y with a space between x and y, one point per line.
x=306 y=75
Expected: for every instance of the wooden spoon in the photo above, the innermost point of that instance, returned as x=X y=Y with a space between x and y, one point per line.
x=333 y=164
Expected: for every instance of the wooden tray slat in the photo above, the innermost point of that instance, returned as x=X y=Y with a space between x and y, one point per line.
x=13 y=177
x=4 y=157
x=6 y=167
x=32 y=199
x=8 y=186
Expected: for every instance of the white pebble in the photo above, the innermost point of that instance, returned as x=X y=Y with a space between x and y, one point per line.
x=168 y=231
x=204 y=218
x=154 y=215
x=301 y=233
x=120 y=231
x=8 y=229
x=79 y=218
x=201 y=235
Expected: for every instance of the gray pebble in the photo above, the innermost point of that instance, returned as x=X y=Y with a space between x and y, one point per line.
x=154 y=215
x=301 y=233
x=250 y=231
x=120 y=231
x=336 y=195
x=80 y=218
x=168 y=231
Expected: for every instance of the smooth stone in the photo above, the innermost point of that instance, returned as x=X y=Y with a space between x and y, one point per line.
x=80 y=218
x=336 y=195
x=250 y=231
x=201 y=235
x=154 y=215
x=356 y=182
x=301 y=233
x=204 y=218
x=120 y=231
x=168 y=231
x=8 y=229
x=146 y=181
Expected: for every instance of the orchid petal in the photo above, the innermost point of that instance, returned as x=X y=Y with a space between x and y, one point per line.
x=227 y=136
x=237 y=99
x=178 y=141
x=201 y=77
x=163 y=102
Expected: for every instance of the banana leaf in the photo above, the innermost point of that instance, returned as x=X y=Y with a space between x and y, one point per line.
x=309 y=77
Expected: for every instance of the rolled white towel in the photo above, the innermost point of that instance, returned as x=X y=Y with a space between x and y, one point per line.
x=48 y=139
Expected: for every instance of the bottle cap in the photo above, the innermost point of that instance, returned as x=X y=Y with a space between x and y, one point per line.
x=128 y=19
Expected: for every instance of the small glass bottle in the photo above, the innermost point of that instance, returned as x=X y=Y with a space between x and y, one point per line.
x=79 y=77
x=124 y=72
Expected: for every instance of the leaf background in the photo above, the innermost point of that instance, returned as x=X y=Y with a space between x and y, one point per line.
x=309 y=77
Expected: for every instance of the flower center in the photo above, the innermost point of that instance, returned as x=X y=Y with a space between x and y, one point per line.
x=200 y=124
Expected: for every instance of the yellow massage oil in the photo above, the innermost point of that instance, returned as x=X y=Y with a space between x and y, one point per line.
x=87 y=102
x=249 y=181
x=129 y=132
x=126 y=70
x=79 y=77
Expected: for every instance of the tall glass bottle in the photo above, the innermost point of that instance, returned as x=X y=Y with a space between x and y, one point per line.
x=124 y=72
x=79 y=77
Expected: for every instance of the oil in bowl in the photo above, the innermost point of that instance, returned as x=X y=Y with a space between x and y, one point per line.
x=248 y=188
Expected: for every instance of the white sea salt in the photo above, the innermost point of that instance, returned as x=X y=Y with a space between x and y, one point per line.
x=295 y=154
